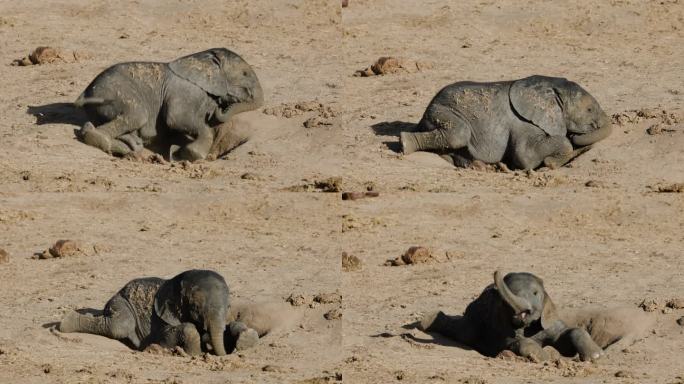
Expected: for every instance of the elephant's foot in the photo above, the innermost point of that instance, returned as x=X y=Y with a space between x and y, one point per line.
x=246 y=339
x=586 y=347
x=408 y=142
x=70 y=323
x=531 y=350
x=93 y=137
x=559 y=160
x=188 y=153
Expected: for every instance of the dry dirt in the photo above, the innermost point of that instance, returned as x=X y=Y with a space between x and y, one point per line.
x=606 y=230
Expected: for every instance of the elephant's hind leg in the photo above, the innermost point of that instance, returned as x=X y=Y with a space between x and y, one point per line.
x=441 y=130
x=185 y=336
x=456 y=328
x=105 y=136
x=117 y=322
x=578 y=339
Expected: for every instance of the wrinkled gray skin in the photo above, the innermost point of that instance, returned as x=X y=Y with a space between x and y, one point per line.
x=515 y=313
x=184 y=311
x=138 y=104
x=524 y=123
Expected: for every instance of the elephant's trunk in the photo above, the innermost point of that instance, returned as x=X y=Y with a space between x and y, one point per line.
x=423 y=141
x=593 y=136
x=518 y=304
x=216 y=329
x=252 y=99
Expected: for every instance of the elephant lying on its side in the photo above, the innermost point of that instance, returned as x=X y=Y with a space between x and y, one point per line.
x=517 y=314
x=183 y=311
x=524 y=122
x=157 y=105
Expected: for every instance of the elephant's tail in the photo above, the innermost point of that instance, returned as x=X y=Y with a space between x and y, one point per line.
x=82 y=101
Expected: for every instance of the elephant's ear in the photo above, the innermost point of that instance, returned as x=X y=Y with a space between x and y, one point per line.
x=535 y=100
x=167 y=302
x=549 y=314
x=204 y=70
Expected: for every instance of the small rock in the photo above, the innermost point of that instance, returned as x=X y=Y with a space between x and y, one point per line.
x=333 y=314
x=273 y=368
x=680 y=321
x=650 y=305
x=677 y=303
x=509 y=355
x=331 y=184
x=249 y=176
x=328 y=298
x=350 y=263
x=358 y=195
x=671 y=188
x=345 y=3
x=44 y=55
x=625 y=374
x=4 y=256
x=296 y=300
x=315 y=121
x=416 y=255
x=594 y=184
x=389 y=65
x=657 y=129
x=66 y=248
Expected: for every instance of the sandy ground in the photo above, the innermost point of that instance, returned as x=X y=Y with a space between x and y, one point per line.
x=598 y=231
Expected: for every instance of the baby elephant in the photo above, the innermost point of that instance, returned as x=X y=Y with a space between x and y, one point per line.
x=158 y=105
x=514 y=313
x=183 y=311
x=525 y=123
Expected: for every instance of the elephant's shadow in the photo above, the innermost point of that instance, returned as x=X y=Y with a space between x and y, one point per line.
x=437 y=338
x=58 y=113
x=392 y=128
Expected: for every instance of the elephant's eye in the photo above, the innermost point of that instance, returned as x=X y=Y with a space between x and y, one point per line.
x=244 y=73
x=589 y=109
x=535 y=293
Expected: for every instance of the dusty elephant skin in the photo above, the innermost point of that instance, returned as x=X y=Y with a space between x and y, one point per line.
x=515 y=313
x=160 y=105
x=526 y=123
x=182 y=311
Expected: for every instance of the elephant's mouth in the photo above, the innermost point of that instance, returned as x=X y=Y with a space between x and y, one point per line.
x=521 y=319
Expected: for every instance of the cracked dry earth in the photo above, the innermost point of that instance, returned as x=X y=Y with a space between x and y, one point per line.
x=606 y=230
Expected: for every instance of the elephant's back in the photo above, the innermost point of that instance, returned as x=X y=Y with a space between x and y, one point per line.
x=139 y=294
x=126 y=76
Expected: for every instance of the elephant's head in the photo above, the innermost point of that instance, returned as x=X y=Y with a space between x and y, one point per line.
x=199 y=297
x=224 y=75
x=560 y=107
x=525 y=295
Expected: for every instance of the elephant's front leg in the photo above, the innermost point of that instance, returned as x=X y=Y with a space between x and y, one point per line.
x=528 y=348
x=184 y=335
x=198 y=149
x=531 y=148
x=580 y=341
x=243 y=336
